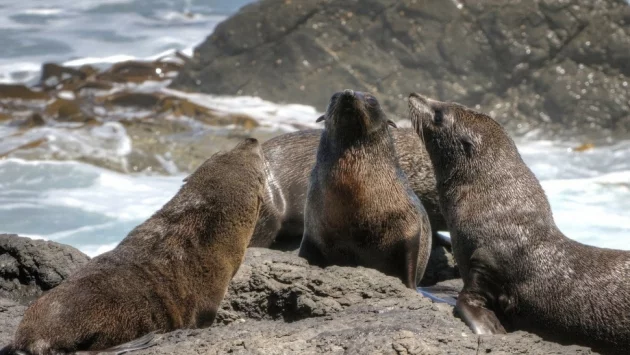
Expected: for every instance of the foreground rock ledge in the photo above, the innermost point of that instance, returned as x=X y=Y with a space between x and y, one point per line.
x=29 y=267
x=278 y=304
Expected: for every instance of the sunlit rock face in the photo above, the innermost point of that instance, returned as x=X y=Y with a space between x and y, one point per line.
x=560 y=66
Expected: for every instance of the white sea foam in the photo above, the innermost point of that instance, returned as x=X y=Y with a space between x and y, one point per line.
x=286 y=117
x=94 y=250
x=78 y=204
x=93 y=208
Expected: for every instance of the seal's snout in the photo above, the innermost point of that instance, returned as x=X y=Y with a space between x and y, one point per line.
x=252 y=144
x=421 y=107
x=418 y=101
x=348 y=97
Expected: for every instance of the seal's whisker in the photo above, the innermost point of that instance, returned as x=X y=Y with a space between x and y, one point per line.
x=416 y=124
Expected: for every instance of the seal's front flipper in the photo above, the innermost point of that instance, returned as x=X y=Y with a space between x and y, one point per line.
x=145 y=341
x=473 y=312
x=310 y=252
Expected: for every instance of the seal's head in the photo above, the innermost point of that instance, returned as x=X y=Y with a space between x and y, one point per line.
x=250 y=145
x=459 y=138
x=354 y=113
x=243 y=166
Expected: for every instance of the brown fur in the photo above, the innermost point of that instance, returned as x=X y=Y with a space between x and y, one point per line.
x=519 y=270
x=360 y=209
x=170 y=272
x=289 y=159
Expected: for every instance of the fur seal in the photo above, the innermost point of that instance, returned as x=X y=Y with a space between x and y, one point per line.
x=170 y=272
x=289 y=159
x=520 y=271
x=360 y=209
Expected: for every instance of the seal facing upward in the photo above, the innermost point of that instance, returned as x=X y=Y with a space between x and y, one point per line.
x=360 y=209
x=170 y=272
x=289 y=159
x=520 y=271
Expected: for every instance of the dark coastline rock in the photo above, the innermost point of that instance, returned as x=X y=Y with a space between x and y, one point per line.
x=559 y=66
x=29 y=267
x=277 y=303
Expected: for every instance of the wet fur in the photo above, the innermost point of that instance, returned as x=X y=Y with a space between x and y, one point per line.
x=520 y=271
x=289 y=159
x=170 y=272
x=360 y=209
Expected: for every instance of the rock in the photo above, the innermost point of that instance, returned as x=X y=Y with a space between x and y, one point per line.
x=106 y=119
x=11 y=313
x=20 y=92
x=559 y=67
x=278 y=304
x=441 y=267
x=29 y=267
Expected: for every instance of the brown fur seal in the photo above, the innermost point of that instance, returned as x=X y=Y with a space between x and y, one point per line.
x=289 y=159
x=360 y=209
x=519 y=270
x=170 y=272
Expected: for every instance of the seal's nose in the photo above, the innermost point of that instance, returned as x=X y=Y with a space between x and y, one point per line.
x=348 y=92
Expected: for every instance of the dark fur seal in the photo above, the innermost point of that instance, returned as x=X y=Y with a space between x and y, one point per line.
x=289 y=159
x=519 y=270
x=360 y=209
x=170 y=272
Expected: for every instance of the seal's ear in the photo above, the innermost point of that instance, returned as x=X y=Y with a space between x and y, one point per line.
x=321 y=118
x=392 y=123
x=468 y=144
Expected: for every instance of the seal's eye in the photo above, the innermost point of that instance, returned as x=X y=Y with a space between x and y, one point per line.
x=438 y=117
x=371 y=100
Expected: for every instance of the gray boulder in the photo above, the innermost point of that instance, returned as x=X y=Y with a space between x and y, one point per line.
x=278 y=304
x=560 y=66
x=28 y=267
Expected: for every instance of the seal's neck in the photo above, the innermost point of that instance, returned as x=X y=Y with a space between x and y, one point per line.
x=496 y=196
x=339 y=140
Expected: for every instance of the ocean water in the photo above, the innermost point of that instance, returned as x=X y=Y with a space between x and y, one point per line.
x=93 y=209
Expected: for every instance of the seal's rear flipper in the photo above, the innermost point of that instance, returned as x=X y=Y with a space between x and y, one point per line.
x=143 y=342
x=480 y=319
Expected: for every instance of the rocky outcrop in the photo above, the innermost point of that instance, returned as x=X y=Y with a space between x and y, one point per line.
x=278 y=304
x=29 y=267
x=562 y=66
x=121 y=118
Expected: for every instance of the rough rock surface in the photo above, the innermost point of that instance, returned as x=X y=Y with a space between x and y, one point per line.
x=28 y=267
x=278 y=304
x=441 y=266
x=562 y=66
x=10 y=315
